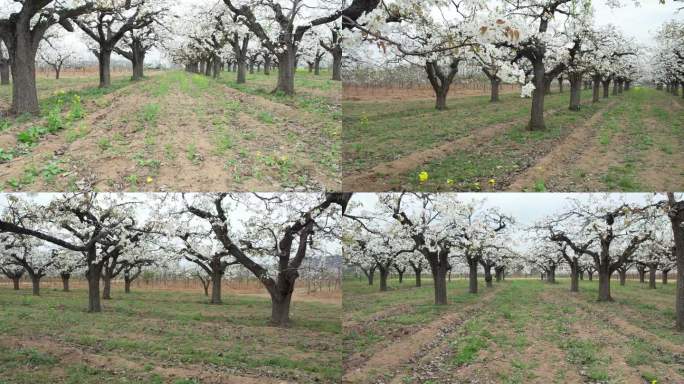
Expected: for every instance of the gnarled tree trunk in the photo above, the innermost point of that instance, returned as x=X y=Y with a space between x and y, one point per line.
x=93 y=276
x=4 y=72
x=65 y=281
x=286 y=71
x=596 y=88
x=537 y=112
x=488 y=276
x=606 y=88
x=216 y=277
x=652 y=278
x=604 y=284
x=104 y=58
x=472 y=276
x=574 y=277
x=384 y=273
x=23 y=59
x=575 y=90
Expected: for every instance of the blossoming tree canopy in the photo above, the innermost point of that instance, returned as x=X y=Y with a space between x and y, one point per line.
x=100 y=226
x=268 y=234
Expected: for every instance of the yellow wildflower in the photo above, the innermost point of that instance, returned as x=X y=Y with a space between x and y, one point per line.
x=423 y=176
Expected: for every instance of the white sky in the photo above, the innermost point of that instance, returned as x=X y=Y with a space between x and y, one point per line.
x=637 y=22
x=640 y=22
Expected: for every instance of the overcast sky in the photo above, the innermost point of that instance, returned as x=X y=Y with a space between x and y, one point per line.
x=640 y=22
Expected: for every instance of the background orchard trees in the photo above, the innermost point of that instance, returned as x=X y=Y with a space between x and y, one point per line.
x=529 y=28
x=29 y=254
x=420 y=214
x=22 y=27
x=136 y=43
x=202 y=248
x=380 y=248
x=291 y=20
x=110 y=22
x=476 y=232
x=55 y=54
x=333 y=44
x=618 y=230
x=276 y=230
x=668 y=58
x=98 y=226
x=67 y=263
x=12 y=271
x=436 y=36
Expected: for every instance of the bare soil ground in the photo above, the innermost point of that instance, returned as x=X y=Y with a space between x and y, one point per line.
x=180 y=132
x=165 y=336
x=521 y=331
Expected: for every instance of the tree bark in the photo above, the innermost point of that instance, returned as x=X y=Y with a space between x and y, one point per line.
x=652 y=278
x=575 y=90
x=280 y=310
x=15 y=283
x=664 y=275
x=495 y=84
x=107 y=288
x=472 y=276
x=216 y=287
x=623 y=276
x=591 y=275
x=104 y=58
x=4 y=72
x=604 y=284
x=138 y=60
x=127 y=286
x=606 y=88
x=488 y=276
x=65 y=281
x=560 y=84
x=642 y=275
x=676 y=214
x=317 y=67
x=93 y=275
x=574 y=278
x=440 y=283
x=417 y=273
x=596 y=88
x=24 y=93
x=35 y=283
x=286 y=71
x=537 y=112
x=384 y=273
x=615 y=88
x=267 y=64
x=440 y=81
x=337 y=63
x=241 y=71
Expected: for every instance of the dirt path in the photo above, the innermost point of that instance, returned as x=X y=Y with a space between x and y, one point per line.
x=626 y=327
x=378 y=178
x=573 y=147
x=618 y=334
x=171 y=133
x=392 y=357
x=71 y=355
